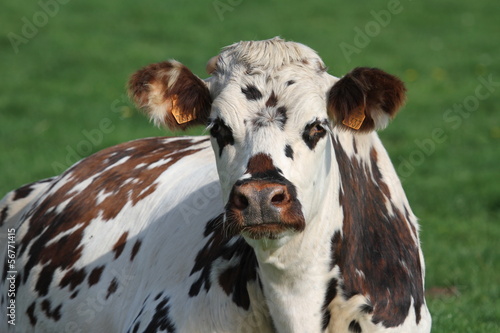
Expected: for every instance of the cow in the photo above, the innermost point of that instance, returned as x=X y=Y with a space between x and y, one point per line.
x=287 y=217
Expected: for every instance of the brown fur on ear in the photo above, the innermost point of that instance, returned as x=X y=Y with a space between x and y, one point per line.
x=365 y=99
x=171 y=95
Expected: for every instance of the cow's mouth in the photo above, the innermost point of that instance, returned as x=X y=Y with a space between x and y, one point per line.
x=285 y=221
x=264 y=230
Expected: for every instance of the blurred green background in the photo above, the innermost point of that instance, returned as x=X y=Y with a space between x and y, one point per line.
x=64 y=66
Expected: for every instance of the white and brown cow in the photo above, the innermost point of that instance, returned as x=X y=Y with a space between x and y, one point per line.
x=289 y=217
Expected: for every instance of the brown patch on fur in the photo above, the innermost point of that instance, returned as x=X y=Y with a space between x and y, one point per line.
x=127 y=182
x=260 y=163
x=120 y=244
x=368 y=89
x=272 y=100
x=161 y=88
x=377 y=243
x=234 y=279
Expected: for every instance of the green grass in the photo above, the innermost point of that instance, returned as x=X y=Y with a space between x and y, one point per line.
x=71 y=75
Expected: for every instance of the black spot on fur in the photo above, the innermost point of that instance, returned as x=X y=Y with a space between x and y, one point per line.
x=354 y=327
x=331 y=292
x=289 y=151
x=31 y=314
x=135 y=249
x=161 y=320
x=113 y=286
x=234 y=280
x=290 y=82
x=51 y=313
x=73 y=278
x=3 y=215
x=281 y=117
x=251 y=93
x=366 y=308
x=95 y=275
x=23 y=192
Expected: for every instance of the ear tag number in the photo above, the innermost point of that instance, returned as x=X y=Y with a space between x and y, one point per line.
x=356 y=118
x=180 y=115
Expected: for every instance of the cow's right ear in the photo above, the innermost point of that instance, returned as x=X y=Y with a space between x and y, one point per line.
x=171 y=95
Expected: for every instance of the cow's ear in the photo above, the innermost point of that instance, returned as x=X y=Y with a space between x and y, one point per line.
x=365 y=99
x=171 y=95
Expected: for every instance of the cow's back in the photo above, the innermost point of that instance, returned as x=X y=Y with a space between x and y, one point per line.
x=94 y=245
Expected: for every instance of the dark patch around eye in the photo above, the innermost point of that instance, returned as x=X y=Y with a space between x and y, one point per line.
x=313 y=132
x=251 y=93
x=289 y=83
x=289 y=151
x=222 y=133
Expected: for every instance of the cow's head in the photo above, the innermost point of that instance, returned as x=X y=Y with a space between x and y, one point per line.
x=269 y=106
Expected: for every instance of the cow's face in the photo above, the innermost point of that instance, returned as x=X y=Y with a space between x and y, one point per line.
x=269 y=107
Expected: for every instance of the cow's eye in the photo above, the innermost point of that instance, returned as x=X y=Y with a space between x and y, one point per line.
x=219 y=129
x=214 y=129
x=222 y=133
x=313 y=132
x=317 y=130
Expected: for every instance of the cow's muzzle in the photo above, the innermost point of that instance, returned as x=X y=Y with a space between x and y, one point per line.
x=263 y=208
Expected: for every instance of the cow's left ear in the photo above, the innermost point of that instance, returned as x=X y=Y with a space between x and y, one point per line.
x=171 y=95
x=365 y=99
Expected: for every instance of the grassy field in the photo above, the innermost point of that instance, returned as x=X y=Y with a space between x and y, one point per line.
x=64 y=66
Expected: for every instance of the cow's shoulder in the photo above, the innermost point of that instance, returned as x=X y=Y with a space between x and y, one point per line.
x=15 y=203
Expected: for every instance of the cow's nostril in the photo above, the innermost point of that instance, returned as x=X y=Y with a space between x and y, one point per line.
x=240 y=201
x=278 y=198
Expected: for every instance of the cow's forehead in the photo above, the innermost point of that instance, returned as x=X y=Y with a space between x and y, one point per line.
x=268 y=55
x=269 y=79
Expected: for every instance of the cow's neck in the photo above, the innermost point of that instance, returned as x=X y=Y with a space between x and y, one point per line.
x=295 y=275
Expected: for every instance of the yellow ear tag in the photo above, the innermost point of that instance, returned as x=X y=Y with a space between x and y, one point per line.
x=180 y=115
x=356 y=118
